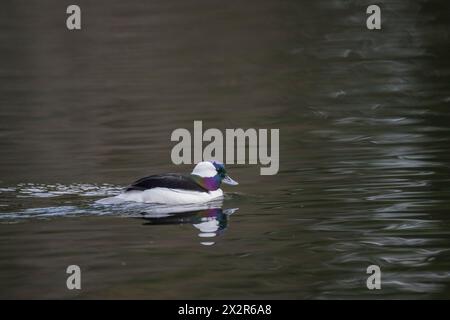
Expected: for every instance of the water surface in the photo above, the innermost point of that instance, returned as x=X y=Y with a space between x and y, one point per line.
x=364 y=148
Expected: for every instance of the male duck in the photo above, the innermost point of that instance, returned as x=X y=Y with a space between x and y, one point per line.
x=202 y=185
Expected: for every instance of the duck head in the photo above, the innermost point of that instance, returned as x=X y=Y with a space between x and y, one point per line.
x=210 y=174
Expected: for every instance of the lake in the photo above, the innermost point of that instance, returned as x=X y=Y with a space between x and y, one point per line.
x=364 y=170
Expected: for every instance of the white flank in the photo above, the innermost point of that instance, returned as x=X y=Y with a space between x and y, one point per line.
x=170 y=196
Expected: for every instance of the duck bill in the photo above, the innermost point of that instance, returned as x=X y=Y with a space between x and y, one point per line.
x=228 y=180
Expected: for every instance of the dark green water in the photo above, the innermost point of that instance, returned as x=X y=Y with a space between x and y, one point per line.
x=364 y=148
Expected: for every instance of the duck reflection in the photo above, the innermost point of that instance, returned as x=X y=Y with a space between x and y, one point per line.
x=210 y=220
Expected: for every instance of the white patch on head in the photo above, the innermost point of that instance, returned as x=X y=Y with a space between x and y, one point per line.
x=170 y=196
x=204 y=169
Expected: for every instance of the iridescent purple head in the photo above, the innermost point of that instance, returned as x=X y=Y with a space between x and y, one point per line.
x=210 y=174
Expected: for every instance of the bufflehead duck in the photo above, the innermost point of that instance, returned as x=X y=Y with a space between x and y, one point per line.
x=202 y=185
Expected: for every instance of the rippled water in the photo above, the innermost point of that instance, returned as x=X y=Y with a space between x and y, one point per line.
x=364 y=148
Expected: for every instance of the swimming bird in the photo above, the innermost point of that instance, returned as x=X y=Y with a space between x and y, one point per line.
x=202 y=185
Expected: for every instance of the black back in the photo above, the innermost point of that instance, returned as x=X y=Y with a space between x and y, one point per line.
x=169 y=180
